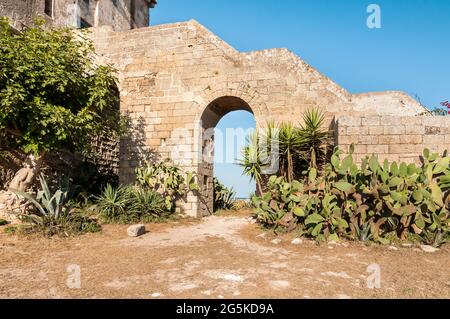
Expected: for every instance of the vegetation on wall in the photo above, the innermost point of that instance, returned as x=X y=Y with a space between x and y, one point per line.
x=52 y=95
x=375 y=201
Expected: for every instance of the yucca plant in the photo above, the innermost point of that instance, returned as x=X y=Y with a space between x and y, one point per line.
x=251 y=161
x=290 y=142
x=113 y=203
x=298 y=148
x=224 y=198
x=315 y=139
x=147 y=205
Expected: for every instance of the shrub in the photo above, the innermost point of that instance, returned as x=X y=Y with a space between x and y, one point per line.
x=149 y=205
x=131 y=204
x=242 y=204
x=224 y=197
x=166 y=179
x=280 y=204
x=3 y=222
x=395 y=201
x=53 y=95
x=53 y=215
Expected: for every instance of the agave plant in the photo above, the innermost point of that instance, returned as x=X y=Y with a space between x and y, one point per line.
x=53 y=213
x=47 y=204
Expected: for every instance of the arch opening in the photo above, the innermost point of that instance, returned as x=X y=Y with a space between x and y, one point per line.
x=224 y=123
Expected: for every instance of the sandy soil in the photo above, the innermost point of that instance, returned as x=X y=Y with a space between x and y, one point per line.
x=219 y=257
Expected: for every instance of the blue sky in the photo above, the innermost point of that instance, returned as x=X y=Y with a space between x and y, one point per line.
x=411 y=52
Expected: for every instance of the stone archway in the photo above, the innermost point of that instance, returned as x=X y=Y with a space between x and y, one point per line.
x=210 y=117
x=181 y=74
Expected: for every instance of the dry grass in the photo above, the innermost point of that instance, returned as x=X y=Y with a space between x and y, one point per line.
x=221 y=256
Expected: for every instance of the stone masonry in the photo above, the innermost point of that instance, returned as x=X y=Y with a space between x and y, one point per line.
x=119 y=14
x=178 y=80
x=400 y=139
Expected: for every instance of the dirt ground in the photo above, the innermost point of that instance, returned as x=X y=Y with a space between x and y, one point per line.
x=224 y=256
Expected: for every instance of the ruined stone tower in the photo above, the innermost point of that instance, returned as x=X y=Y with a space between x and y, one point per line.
x=119 y=14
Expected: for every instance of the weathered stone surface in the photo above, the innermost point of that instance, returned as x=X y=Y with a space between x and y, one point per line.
x=404 y=141
x=297 y=241
x=178 y=80
x=12 y=206
x=136 y=230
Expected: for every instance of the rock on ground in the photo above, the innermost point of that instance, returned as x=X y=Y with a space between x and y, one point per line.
x=136 y=230
x=429 y=249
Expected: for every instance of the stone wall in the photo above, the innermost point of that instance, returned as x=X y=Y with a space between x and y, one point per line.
x=20 y=13
x=393 y=137
x=119 y=14
x=177 y=80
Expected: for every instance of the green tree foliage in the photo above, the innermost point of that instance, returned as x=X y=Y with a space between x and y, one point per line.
x=52 y=94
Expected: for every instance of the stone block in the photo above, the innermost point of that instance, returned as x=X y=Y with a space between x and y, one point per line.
x=371 y=121
x=377 y=149
x=389 y=139
x=376 y=130
x=357 y=130
x=368 y=139
x=394 y=130
x=412 y=121
x=410 y=139
x=415 y=129
x=136 y=230
x=434 y=139
x=350 y=121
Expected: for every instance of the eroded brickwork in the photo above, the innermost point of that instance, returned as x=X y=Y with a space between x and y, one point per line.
x=400 y=139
